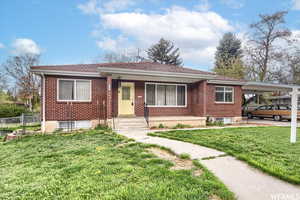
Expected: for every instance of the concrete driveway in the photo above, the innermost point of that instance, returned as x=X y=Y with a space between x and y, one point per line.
x=269 y=122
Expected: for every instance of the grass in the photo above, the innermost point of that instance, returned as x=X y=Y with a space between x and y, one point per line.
x=266 y=148
x=184 y=156
x=94 y=165
x=28 y=127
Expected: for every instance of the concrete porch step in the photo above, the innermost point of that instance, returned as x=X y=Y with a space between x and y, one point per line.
x=131 y=122
x=135 y=119
x=134 y=123
x=131 y=129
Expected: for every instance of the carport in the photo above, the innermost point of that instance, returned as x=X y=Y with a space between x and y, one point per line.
x=293 y=90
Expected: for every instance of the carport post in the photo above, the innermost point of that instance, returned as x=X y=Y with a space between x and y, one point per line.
x=294 y=114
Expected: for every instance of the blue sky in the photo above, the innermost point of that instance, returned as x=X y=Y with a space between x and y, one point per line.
x=80 y=31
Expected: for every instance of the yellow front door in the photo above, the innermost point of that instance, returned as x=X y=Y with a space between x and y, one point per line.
x=126 y=98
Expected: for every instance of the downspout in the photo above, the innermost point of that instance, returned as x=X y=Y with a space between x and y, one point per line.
x=44 y=104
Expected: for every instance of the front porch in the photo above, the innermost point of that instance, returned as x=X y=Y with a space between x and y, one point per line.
x=169 y=99
x=140 y=123
x=173 y=103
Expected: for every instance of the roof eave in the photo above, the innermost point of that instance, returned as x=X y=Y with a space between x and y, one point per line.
x=154 y=73
x=227 y=82
x=65 y=73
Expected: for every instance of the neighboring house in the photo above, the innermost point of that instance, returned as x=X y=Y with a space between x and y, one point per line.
x=85 y=94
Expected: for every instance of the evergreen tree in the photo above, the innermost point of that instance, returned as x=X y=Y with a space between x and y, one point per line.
x=228 y=57
x=164 y=52
x=233 y=67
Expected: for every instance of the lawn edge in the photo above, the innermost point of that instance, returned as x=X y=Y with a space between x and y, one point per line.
x=251 y=163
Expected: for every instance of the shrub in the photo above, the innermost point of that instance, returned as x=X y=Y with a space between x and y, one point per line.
x=11 y=110
x=182 y=126
x=103 y=127
x=215 y=123
x=161 y=126
x=219 y=123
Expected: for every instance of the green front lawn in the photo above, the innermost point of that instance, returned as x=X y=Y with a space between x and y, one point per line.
x=267 y=148
x=93 y=165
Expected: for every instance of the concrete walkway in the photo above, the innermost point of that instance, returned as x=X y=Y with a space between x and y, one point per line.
x=246 y=182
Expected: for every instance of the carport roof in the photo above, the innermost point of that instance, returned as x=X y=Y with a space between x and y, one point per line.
x=252 y=87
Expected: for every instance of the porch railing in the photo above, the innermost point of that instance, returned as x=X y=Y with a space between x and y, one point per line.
x=146 y=113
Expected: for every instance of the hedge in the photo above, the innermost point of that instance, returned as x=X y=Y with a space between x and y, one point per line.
x=11 y=110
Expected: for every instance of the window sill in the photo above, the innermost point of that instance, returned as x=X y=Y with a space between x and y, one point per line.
x=166 y=106
x=73 y=101
x=224 y=102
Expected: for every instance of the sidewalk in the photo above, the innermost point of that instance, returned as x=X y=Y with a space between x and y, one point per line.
x=246 y=182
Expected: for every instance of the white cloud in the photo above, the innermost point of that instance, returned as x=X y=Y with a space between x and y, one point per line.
x=97 y=7
x=114 y=45
x=117 y=5
x=25 y=45
x=91 y=7
x=235 y=4
x=296 y=4
x=195 y=33
x=203 y=5
x=2 y=46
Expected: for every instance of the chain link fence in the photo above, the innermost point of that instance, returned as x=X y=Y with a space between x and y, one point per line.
x=10 y=124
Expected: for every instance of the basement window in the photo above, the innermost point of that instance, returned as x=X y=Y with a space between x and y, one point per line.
x=225 y=120
x=67 y=125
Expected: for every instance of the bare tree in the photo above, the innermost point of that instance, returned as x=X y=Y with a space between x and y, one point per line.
x=18 y=68
x=126 y=56
x=3 y=82
x=263 y=48
x=290 y=64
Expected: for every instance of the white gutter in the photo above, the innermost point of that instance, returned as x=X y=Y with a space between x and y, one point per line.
x=65 y=73
x=273 y=85
x=44 y=104
x=227 y=82
x=155 y=73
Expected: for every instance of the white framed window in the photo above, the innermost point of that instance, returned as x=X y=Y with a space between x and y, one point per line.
x=83 y=124
x=165 y=95
x=74 y=90
x=224 y=94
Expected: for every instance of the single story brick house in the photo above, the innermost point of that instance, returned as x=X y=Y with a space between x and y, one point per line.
x=86 y=94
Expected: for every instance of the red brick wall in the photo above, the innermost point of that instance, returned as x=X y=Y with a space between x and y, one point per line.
x=79 y=110
x=198 y=94
x=115 y=98
x=223 y=109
